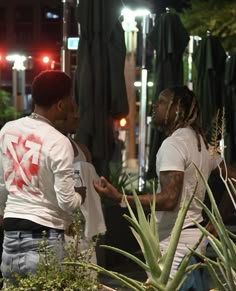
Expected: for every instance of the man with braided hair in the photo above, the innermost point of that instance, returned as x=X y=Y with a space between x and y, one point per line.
x=177 y=114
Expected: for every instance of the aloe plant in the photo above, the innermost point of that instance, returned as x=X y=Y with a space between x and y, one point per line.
x=223 y=245
x=156 y=264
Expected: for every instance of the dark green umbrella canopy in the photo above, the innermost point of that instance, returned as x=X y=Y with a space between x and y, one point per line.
x=230 y=107
x=100 y=83
x=169 y=38
x=209 y=58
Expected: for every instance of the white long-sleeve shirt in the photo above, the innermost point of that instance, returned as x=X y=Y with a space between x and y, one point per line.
x=36 y=173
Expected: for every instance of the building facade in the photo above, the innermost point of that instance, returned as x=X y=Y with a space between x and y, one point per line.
x=33 y=29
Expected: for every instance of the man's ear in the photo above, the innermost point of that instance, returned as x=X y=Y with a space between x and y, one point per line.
x=60 y=105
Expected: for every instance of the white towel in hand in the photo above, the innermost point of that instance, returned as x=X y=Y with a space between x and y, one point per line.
x=91 y=208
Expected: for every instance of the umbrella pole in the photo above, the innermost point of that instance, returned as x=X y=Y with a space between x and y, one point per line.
x=143 y=106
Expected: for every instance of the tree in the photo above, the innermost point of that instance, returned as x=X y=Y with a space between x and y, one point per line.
x=7 y=112
x=217 y=16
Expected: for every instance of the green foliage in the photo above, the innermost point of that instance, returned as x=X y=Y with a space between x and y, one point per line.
x=157 y=265
x=120 y=179
x=7 y=112
x=51 y=276
x=124 y=182
x=223 y=245
x=217 y=133
x=218 y=16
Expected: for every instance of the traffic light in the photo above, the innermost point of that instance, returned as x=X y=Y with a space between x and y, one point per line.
x=46 y=59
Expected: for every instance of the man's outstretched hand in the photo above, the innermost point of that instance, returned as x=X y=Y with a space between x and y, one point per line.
x=106 y=190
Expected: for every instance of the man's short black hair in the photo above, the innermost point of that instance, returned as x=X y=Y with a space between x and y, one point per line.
x=50 y=86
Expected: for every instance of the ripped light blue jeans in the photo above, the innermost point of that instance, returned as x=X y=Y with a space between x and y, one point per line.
x=22 y=251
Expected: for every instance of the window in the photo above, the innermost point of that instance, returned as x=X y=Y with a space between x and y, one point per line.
x=3 y=25
x=24 y=14
x=2 y=14
x=24 y=34
x=51 y=14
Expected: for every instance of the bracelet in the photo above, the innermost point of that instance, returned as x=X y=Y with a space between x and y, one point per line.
x=123 y=202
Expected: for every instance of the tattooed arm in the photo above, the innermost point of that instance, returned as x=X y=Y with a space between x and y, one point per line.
x=171 y=186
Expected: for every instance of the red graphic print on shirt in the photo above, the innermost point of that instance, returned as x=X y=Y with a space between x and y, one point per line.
x=23 y=162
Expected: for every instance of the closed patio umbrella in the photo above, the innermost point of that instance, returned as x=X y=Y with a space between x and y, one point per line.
x=169 y=38
x=209 y=58
x=100 y=83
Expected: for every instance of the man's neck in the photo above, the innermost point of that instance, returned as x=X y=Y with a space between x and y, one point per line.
x=46 y=113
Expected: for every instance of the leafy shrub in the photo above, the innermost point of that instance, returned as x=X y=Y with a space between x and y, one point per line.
x=52 y=277
x=7 y=112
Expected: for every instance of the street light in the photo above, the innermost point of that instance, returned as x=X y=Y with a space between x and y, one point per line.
x=139 y=84
x=18 y=80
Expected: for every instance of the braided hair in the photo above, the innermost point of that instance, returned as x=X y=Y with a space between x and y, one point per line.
x=187 y=112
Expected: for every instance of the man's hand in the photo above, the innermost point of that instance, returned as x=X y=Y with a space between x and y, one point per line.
x=106 y=190
x=82 y=191
x=210 y=227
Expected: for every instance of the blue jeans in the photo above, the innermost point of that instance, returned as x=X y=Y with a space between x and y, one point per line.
x=21 y=251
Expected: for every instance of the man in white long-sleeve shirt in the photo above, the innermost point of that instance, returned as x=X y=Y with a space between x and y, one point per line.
x=37 y=194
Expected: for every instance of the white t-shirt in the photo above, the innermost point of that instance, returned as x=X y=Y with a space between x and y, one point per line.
x=36 y=170
x=177 y=153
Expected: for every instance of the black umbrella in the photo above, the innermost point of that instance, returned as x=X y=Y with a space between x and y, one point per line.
x=230 y=107
x=209 y=58
x=169 y=38
x=100 y=84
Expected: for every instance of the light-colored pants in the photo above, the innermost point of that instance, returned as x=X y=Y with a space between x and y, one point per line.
x=21 y=251
x=188 y=239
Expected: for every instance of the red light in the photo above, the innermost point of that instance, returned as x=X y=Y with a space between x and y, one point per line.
x=2 y=59
x=123 y=122
x=46 y=59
